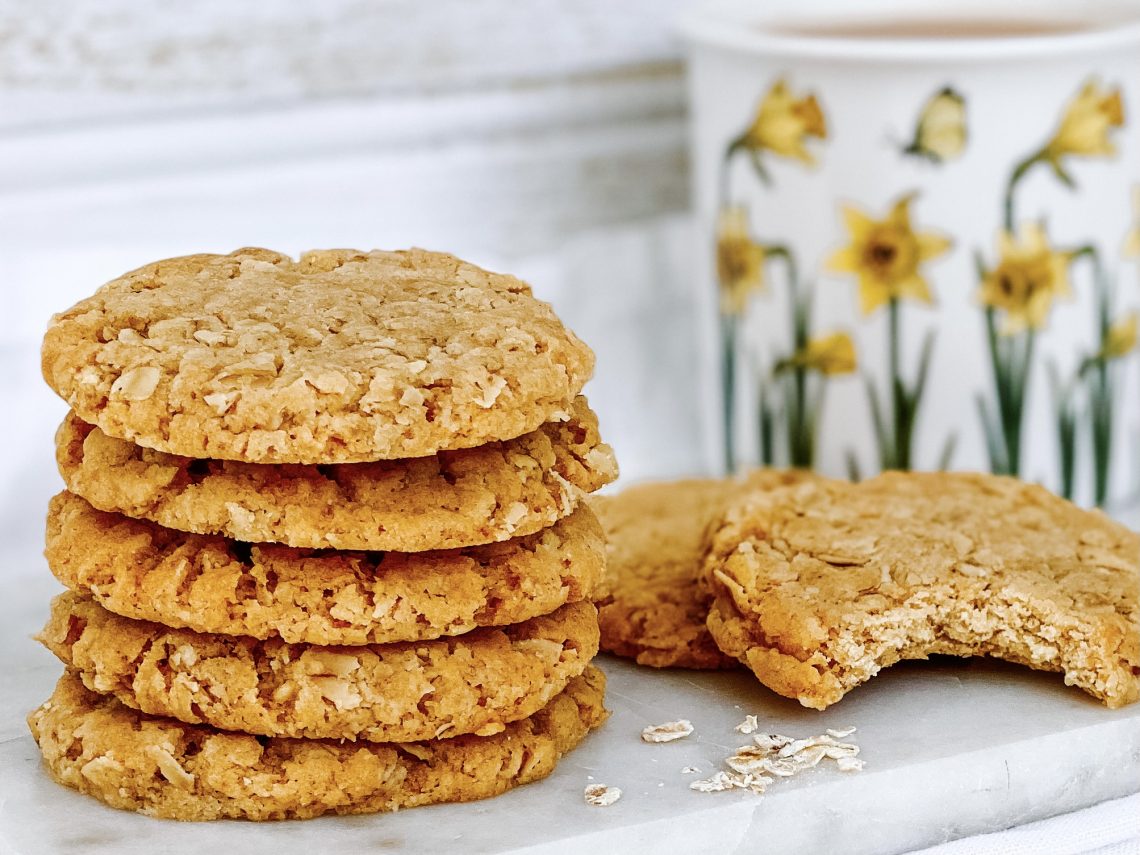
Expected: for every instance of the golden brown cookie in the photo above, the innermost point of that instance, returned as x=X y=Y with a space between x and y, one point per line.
x=340 y=357
x=165 y=768
x=654 y=604
x=207 y=583
x=450 y=499
x=404 y=692
x=820 y=586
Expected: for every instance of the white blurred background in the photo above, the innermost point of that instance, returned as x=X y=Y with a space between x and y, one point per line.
x=545 y=139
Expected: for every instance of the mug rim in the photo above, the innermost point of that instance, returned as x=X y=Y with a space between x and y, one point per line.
x=738 y=26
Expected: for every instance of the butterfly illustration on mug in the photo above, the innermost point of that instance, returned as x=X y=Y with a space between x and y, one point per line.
x=940 y=134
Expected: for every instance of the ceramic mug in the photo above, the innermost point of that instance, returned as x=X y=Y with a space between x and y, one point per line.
x=920 y=237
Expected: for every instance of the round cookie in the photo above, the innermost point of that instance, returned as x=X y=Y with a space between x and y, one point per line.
x=819 y=587
x=207 y=583
x=165 y=768
x=654 y=605
x=340 y=357
x=405 y=692
x=446 y=500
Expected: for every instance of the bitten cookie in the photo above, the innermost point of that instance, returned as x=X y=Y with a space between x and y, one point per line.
x=450 y=499
x=340 y=357
x=654 y=604
x=165 y=768
x=207 y=583
x=475 y=683
x=820 y=586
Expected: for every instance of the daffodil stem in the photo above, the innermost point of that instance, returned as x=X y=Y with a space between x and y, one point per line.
x=1099 y=380
x=725 y=163
x=1015 y=177
x=1020 y=374
x=1066 y=426
x=728 y=388
x=798 y=412
x=898 y=404
x=767 y=451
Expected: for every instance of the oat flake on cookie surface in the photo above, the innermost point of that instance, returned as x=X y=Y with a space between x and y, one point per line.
x=446 y=500
x=341 y=356
x=819 y=586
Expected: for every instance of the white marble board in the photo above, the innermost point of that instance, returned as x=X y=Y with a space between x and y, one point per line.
x=951 y=749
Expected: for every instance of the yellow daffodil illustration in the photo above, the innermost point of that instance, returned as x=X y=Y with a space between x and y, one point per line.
x=829 y=355
x=940 y=134
x=1132 y=241
x=1030 y=276
x=1086 y=123
x=783 y=124
x=1121 y=337
x=886 y=255
x=1022 y=289
x=739 y=260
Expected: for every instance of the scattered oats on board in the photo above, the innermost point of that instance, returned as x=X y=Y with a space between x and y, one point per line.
x=600 y=795
x=668 y=731
x=773 y=755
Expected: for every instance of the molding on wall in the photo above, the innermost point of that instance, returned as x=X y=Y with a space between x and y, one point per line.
x=64 y=62
x=542 y=118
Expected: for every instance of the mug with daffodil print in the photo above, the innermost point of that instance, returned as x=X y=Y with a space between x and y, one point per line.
x=920 y=251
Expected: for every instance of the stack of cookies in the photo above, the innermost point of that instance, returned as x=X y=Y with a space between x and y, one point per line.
x=323 y=537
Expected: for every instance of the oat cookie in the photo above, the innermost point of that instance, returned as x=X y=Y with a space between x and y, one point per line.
x=654 y=605
x=475 y=683
x=207 y=583
x=820 y=586
x=165 y=768
x=340 y=357
x=450 y=499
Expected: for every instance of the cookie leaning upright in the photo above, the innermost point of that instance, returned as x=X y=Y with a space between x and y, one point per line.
x=339 y=357
x=818 y=587
x=324 y=524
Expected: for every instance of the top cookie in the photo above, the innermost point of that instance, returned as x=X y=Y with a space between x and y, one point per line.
x=340 y=357
x=820 y=586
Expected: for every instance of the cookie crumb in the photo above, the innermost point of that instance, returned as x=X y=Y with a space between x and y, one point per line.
x=601 y=795
x=667 y=732
x=690 y=770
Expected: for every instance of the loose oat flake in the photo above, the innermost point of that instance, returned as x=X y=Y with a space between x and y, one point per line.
x=722 y=781
x=600 y=795
x=748 y=726
x=667 y=732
